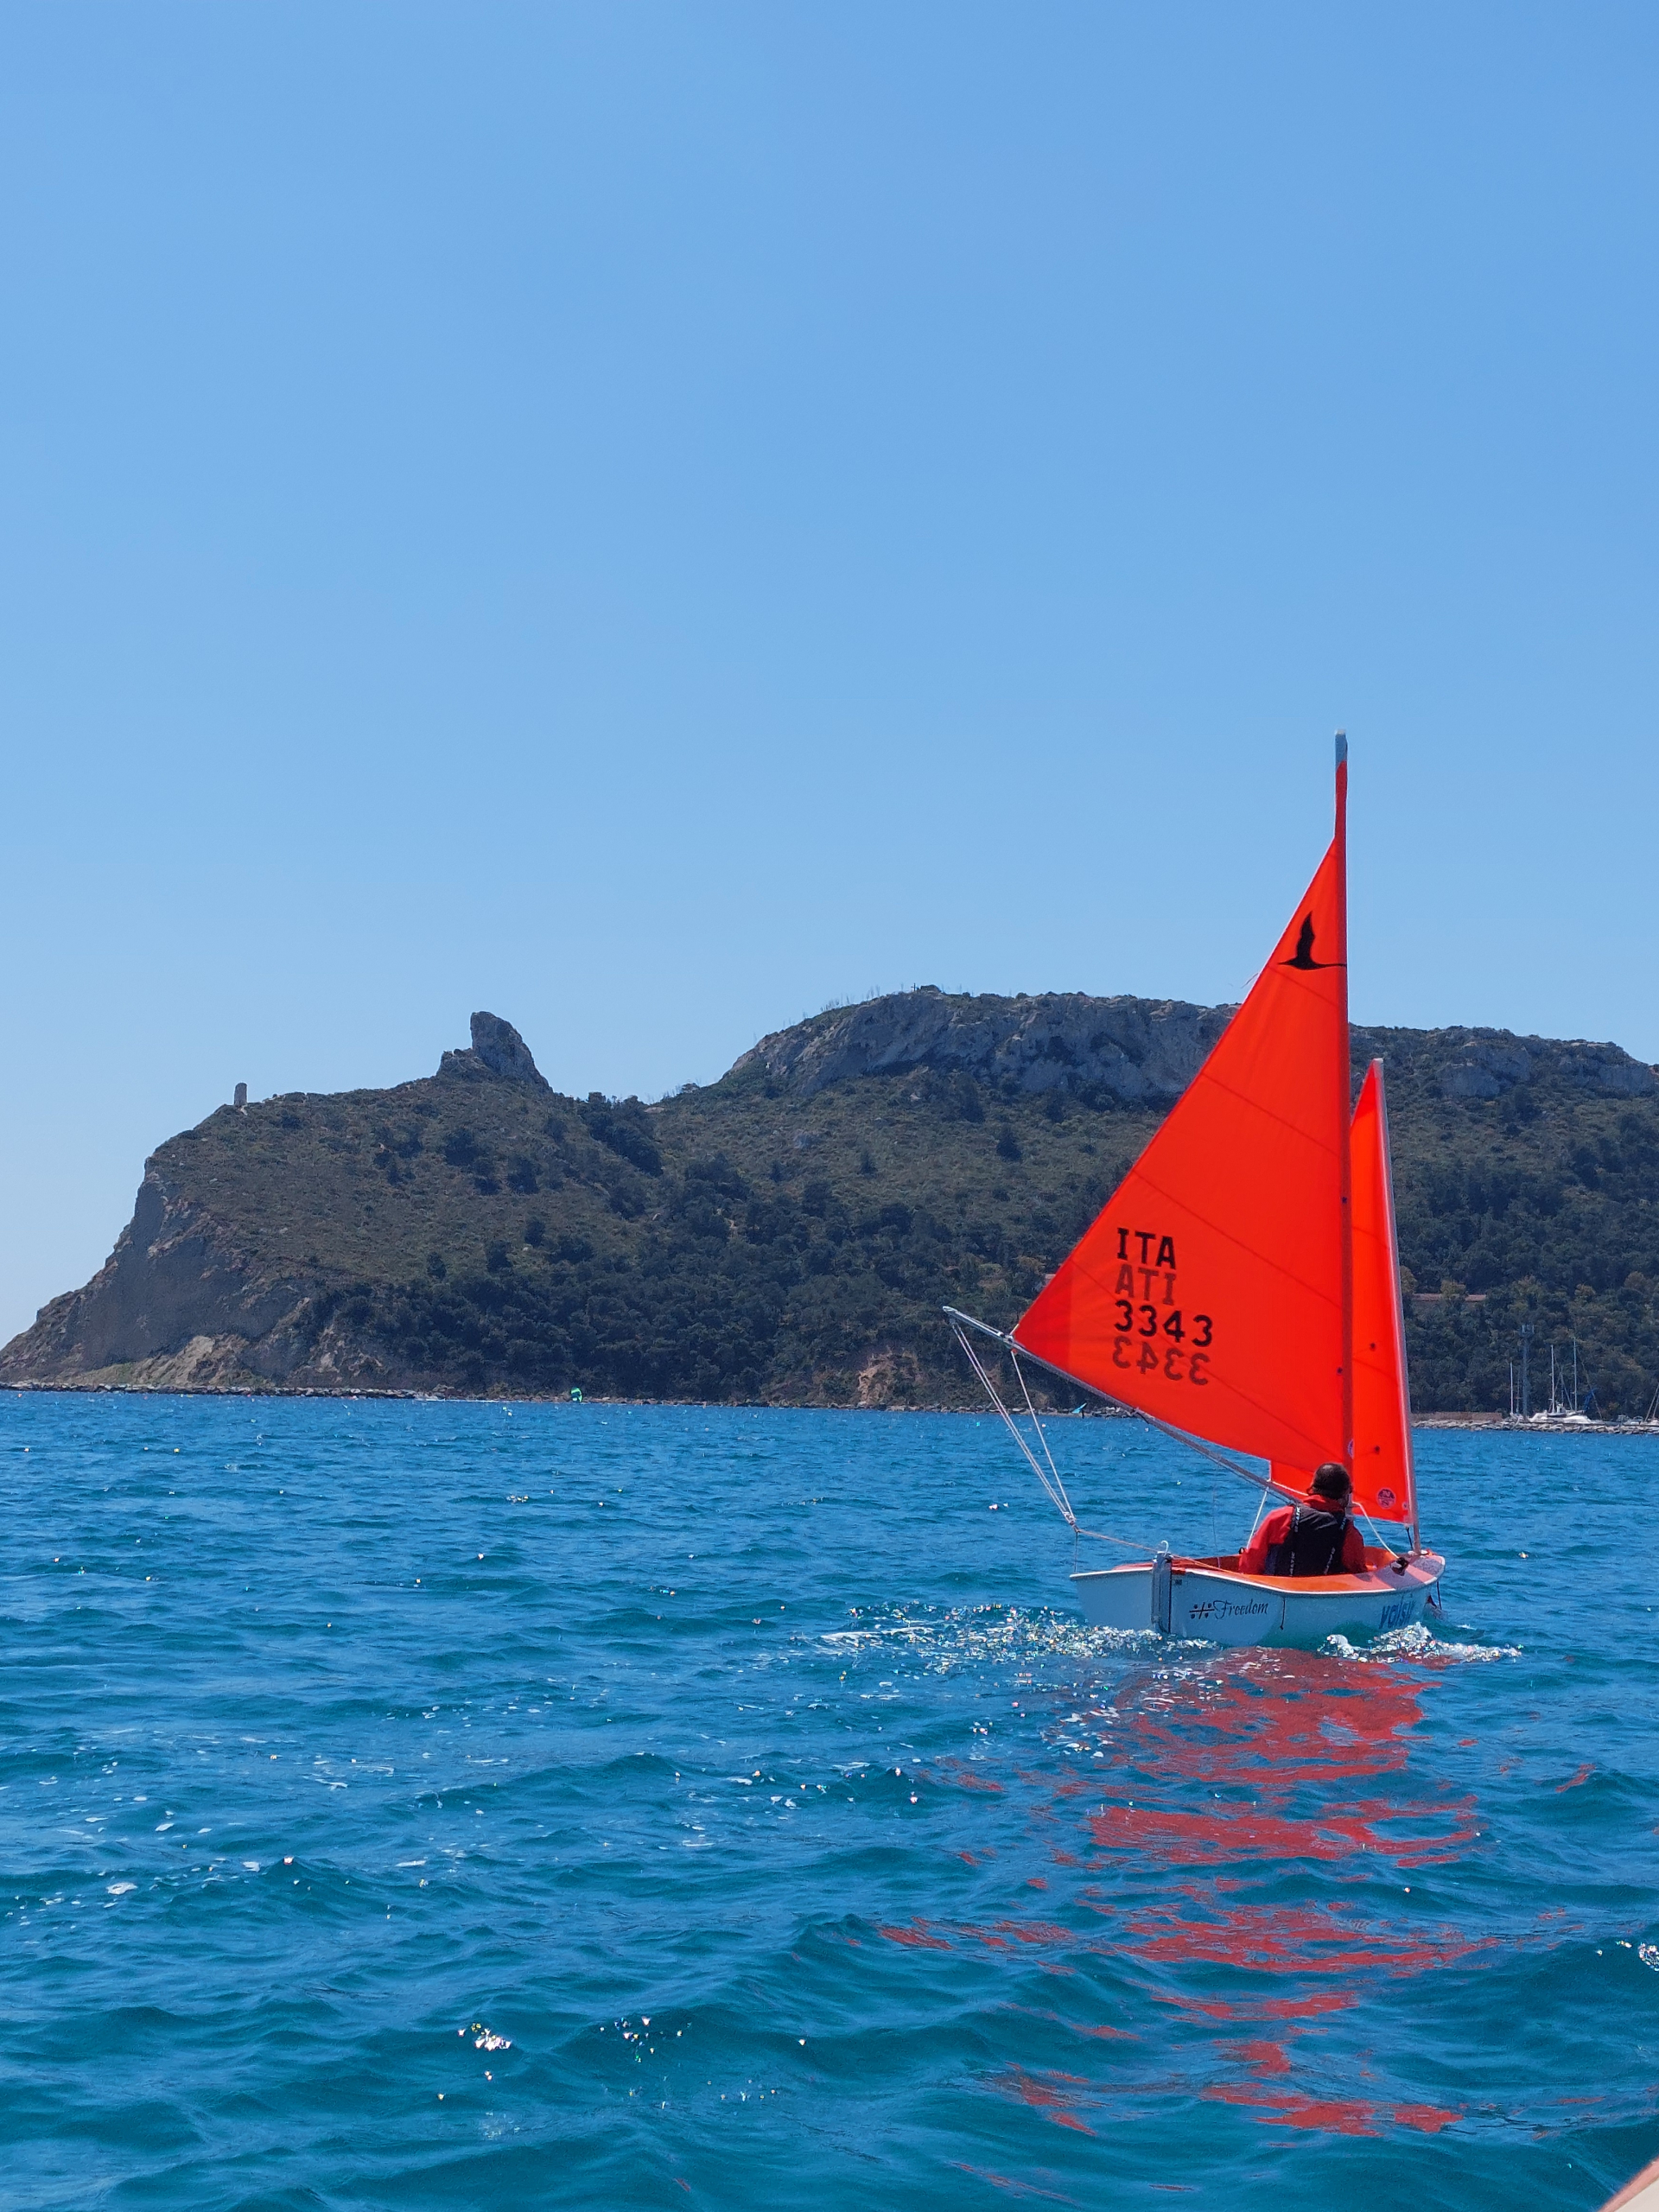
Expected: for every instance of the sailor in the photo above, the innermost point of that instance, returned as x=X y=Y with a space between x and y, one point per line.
x=1317 y=1538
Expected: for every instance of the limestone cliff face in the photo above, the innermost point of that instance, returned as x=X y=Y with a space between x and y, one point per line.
x=1490 y=1062
x=1139 y=1051
x=173 y=1279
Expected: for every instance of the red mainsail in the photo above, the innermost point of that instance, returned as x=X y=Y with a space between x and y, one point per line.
x=1213 y=1292
x=1383 y=1482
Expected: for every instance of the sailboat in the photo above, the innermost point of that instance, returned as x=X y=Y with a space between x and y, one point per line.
x=1240 y=1290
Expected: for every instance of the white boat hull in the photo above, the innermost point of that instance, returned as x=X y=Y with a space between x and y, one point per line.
x=1209 y=1601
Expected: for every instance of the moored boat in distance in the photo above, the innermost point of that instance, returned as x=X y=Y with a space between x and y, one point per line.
x=1240 y=1290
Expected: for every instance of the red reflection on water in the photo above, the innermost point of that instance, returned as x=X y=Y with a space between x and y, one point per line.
x=1252 y=1741
x=1000 y=1936
x=1268 y=1765
x=1246 y=2009
x=1026 y=1931
x=1335 y=2115
x=917 y=1934
x=1275 y=1715
x=1231 y=1832
x=1260 y=1764
x=1322 y=1939
x=1053 y=2094
x=1332 y=2115
x=1265 y=2057
x=964 y=1777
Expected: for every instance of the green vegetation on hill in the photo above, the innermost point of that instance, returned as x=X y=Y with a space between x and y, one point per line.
x=477 y=1235
x=1541 y=1204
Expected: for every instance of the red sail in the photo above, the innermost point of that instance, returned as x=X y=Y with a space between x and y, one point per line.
x=1383 y=1484
x=1210 y=1291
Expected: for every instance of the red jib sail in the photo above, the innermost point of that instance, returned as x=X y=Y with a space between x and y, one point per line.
x=1211 y=1292
x=1383 y=1481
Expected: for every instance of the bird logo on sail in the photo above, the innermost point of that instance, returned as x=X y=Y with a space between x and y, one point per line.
x=1303 y=955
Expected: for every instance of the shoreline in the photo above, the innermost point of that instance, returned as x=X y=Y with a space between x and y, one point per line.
x=1537 y=1424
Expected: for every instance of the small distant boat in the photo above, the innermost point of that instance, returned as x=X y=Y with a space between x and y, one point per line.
x=1240 y=1290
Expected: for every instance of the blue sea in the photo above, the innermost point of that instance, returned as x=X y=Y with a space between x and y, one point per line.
x=458 y=1805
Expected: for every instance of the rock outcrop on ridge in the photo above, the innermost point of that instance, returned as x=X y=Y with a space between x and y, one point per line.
x=497 y=1049
x=1133 y=1050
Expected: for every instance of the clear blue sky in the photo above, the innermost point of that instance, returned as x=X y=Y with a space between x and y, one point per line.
x=647 y=518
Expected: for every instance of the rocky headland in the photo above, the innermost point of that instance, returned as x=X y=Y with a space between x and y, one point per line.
x=789 y=1232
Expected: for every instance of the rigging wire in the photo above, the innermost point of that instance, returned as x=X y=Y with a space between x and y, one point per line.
x=1049 y=1476
x=1392 y=1549
x=1261 y=1507
x=1265 y=1483
x=1054 y=1488
x=1019 y=1373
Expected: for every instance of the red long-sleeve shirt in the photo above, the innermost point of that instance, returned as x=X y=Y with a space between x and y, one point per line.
x=1276 y=1529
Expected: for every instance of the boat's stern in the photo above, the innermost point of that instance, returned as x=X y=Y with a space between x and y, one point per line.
x=1117 y=1597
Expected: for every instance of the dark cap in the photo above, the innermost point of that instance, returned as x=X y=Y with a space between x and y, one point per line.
x=1332 y=1479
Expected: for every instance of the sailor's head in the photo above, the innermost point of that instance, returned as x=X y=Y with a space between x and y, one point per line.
x=1330 y=1481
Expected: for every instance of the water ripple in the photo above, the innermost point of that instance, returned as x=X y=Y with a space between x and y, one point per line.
x=415 y=1803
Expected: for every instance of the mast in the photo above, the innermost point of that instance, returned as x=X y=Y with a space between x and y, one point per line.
x=1345 y=1110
